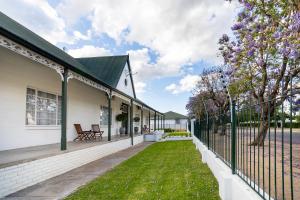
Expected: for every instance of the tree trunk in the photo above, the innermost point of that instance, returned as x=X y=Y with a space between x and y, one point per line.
x=260 y=138
x=263 y=125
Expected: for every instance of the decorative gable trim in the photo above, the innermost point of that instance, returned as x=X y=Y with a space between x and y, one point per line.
x=120 y=96
x=19 y=49
x=87 y=81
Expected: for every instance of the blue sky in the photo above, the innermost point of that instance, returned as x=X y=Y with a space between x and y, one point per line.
x=169 y=42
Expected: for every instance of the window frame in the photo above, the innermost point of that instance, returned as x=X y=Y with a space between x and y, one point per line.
x=36 y=126
x=105 y=125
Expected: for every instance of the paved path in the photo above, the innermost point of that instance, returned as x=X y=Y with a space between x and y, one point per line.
x=63 y=185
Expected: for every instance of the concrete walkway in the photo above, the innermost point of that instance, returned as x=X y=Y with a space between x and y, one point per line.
x=63 y=185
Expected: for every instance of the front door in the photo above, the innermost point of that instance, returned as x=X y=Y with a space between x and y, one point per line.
x=125 y=108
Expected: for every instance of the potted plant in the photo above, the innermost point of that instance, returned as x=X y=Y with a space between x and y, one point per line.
x=136 y=119
x=136 y=129
x=120 y=118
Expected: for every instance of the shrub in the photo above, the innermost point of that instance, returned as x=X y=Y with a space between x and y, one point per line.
x=120 y=117
x=183 y=134
x=169 y=130
x=136 y=119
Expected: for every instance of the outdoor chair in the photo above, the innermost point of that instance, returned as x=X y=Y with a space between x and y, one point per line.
x=145 y=129
x=83 y=135
x=96 y=130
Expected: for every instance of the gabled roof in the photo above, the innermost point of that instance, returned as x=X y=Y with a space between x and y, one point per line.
x=14 y=31
x=20 y=34
x=107 y=69
x=174 y=115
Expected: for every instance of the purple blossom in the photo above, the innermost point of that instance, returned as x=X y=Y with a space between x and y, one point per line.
x=277 y=35
x=260 y=62
x=237 y=26
x=241 y=15
x=251 y=44
x=296 y=22
x=284 y=51
x=234 y=60
x=229 y=71
x=294 y=54
x=238 y=50
x=248 y=6
x=286 y=44
x=249 y=37
x=251 y=52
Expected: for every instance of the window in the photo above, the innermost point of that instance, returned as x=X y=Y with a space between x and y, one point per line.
x=125 y=82
x=104 y=115
x=42 y=108
x=177 y=121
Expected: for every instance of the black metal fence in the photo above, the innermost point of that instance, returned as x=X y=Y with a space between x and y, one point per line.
x=271 y=167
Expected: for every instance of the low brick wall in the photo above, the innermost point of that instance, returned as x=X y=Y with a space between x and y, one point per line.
x=138 y=139
x=231 y=187
x=17 y=177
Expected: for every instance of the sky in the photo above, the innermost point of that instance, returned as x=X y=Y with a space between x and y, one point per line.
x=169 y=42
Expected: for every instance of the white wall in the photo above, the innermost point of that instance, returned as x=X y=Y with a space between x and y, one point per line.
x=16 y=74
x=84 y=104
x=121 y=84
x=171 y=123
x=17 y=177
x=231 y=187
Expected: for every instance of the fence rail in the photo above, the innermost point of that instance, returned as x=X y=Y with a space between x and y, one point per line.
x=272 y=167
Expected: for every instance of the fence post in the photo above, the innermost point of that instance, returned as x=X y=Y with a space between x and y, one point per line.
x=233 y=137
x=200 y=134
x=207 y=126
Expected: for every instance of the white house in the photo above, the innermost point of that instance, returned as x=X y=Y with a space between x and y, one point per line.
x=44 y=92
x=175 y=121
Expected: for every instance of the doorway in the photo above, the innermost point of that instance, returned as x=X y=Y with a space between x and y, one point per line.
x=125 y=112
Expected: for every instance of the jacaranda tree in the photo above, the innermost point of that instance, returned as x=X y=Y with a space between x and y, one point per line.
x=264 y=53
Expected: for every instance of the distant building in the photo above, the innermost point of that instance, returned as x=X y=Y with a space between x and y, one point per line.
x=176 y=121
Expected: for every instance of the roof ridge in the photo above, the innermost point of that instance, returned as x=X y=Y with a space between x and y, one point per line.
x=102 y=56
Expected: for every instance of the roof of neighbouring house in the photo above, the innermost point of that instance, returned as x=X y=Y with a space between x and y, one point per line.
x=174 y=115
x=107 y=69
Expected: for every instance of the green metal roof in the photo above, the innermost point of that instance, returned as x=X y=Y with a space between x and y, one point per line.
x=174 y=115
x=107 y=69
x=16 y=31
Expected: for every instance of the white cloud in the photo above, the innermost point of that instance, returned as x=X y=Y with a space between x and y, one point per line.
x=80 y=36
x=186 y=84
x=41 y=18
x=89 y=51
x=139 y=87
x=171 y=87
x=180 y=32
x=38 y=16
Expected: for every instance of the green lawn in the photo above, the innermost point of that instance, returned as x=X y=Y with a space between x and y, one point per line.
x=165 y=170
